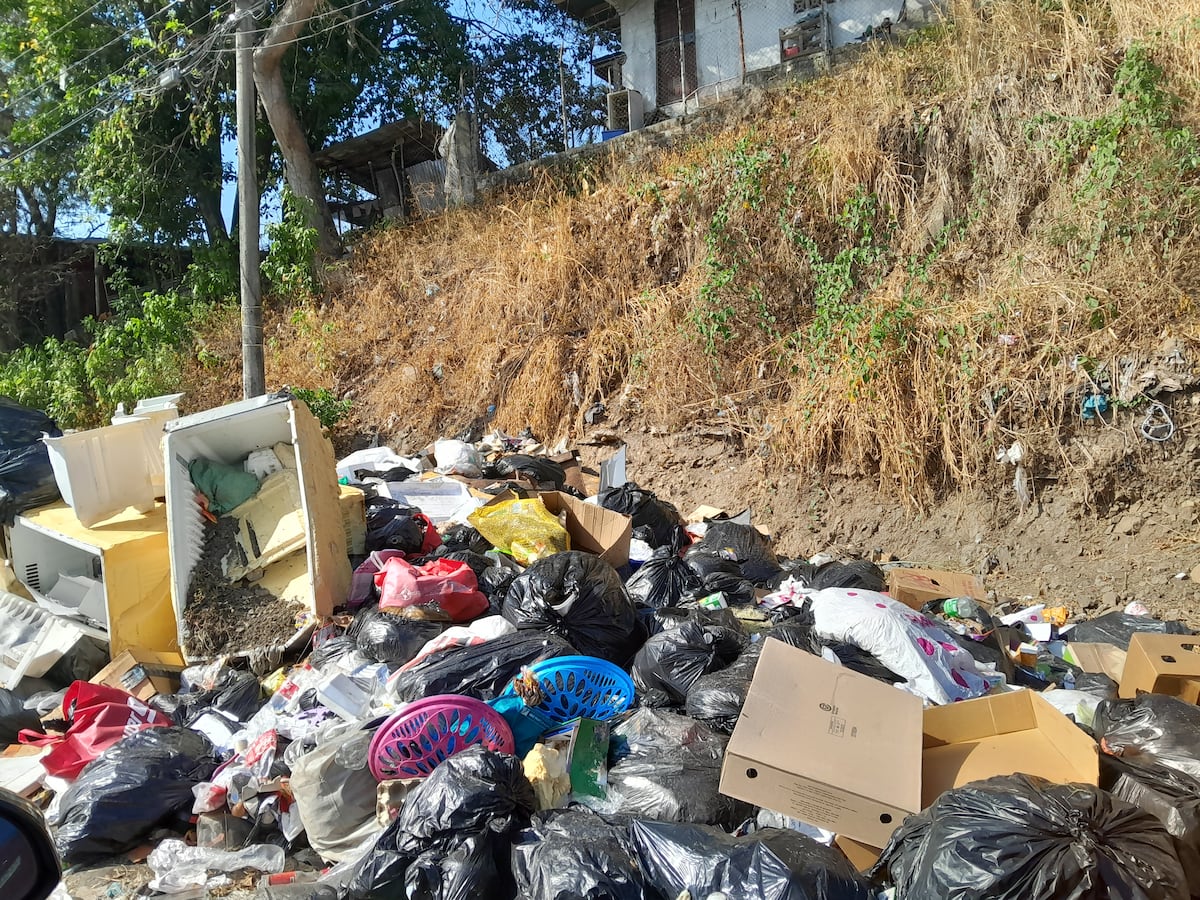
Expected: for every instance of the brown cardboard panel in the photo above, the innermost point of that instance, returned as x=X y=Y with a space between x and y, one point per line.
x=826 y=745
x=572 y=470
x=1103 y=659
x=1163 y=664
x=916 y=587
x=1002 y=735
x=593 y=528
x=862 y=856
x=142 y=673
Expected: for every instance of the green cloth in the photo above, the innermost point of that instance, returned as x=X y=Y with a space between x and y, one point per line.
x=225 y=486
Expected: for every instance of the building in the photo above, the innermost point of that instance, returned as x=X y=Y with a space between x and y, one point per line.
x=677 y=55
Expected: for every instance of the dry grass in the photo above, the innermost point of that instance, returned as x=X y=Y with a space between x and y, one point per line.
x=590 y=285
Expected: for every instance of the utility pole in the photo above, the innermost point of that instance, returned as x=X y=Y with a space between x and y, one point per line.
x=254 y=379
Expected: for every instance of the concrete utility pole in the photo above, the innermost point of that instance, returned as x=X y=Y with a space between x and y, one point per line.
x=254 y=379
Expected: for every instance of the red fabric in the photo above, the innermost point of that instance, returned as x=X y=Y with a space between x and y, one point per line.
x=433 y=540
x=99 y=716
x=450 y=583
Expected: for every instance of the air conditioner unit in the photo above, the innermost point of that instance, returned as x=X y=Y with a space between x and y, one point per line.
x=625 y=110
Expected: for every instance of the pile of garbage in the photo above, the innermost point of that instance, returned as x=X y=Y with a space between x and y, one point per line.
x=523 y=678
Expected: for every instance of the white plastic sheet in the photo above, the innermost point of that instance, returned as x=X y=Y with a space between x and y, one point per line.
x=178 y=867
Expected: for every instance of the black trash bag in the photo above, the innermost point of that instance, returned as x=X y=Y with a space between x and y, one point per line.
x=574 y=853
x=139 y=783
x=1154 y=725
x=538 y=469
x=1097 y=684
x=669 y=663
x=662 y=580
x=1017 y=837
x=667 y=767
x=770 y=864
x=797 y=631
x=390 y=638
x=580 y=598
x=859 y=660
x=470 y=795
x=1169 y=795
x=465 y=869
x=332 y=650
x=392 y=526
x=854 y=574
x=494 y=584
x=747 y=545
x=26 y=481
x=234 y=693
x=659 y=620
x=737 y=590
x=1118 y=629
x=704 y=562
x=800 y=570
x=22 y=426
x=465 y=537
x=14 y=717
x=481 y=671
x=645 y=509
x=716 y=699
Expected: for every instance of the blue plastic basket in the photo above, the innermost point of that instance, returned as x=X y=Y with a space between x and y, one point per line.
x=581 y=686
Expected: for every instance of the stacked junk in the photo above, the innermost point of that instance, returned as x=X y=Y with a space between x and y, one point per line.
x=485 y=671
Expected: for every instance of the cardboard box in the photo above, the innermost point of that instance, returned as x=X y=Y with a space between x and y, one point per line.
x=862 y=856
x=1162 y=664
x=1001 y=735
x=142 y=673
x=835 y=749
x=1101 y=659
x=916 y=587
x=826 y=745
x=593 y=528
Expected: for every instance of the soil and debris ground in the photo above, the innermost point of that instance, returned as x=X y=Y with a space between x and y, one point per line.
x=223 y=617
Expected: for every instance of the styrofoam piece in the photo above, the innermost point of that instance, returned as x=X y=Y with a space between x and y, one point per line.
x=104 y=470
x=262 y=463
x=442 y=499
x=344 y=696
x=81 y=595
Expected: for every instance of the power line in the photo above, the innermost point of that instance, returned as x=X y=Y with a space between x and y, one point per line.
x=149 y=51
x=60 y=30
x=150 y=84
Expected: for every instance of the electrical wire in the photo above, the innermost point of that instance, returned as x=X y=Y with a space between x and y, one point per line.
x=149 y=51
x=16 y=59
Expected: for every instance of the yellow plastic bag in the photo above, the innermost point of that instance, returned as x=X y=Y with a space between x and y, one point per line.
x=524 y=529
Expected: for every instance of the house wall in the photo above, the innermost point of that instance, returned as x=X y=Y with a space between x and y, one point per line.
x=718 y=55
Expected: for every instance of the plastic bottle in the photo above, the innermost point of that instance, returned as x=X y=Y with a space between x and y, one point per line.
x=960 y=608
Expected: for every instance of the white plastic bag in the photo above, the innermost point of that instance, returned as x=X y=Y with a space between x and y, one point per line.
x=178 y=867
x=457 y=458
x=907 y=642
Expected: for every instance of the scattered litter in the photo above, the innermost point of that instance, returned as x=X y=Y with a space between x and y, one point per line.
x=487 y=664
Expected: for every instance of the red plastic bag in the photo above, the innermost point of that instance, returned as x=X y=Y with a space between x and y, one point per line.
x=99 y=716
x=450 y=583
